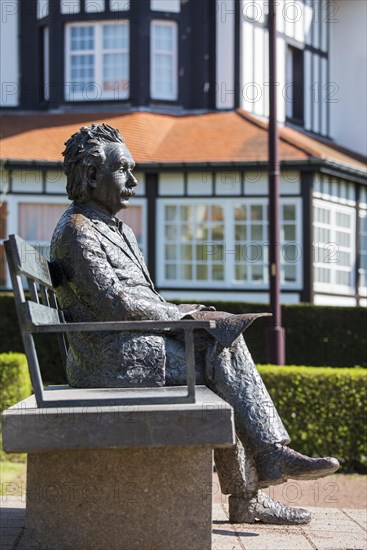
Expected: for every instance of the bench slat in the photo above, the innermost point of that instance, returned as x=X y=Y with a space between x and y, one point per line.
x=34 y=317
x=38 y=314
x=46 y=319
x=29 y=262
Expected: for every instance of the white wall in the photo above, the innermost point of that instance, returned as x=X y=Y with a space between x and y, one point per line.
x=293 y=24
x=298 y=24
x=224 y=59
x=348 y=70
x=9 y=62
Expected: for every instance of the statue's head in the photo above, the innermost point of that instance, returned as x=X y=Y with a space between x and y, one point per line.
x=98 y=166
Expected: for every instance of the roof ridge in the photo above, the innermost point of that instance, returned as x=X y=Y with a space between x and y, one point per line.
x=158 y=138
x=252 y=119
x=265 y=126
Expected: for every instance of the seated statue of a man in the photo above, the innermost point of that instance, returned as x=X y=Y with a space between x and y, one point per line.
x=102 y=276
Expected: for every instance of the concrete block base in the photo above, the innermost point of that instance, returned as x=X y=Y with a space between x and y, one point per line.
x=151 y=498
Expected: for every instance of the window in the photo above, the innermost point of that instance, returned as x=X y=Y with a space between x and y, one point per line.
x=70 y=7
x=97 y=61
x=42 y=8
x=251 y=226
x=134 y=217
x=163 y=48
x=3 y=236
x=334 y=253
x=165 y=5
x=94 y=6
x=46 y=64
x=37 y=222
x=363 y=252
x=295 y=85
x=224 y=243
x=119 y=5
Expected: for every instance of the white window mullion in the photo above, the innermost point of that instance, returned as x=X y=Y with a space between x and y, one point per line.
x=252 y=242
x=362 y=279
x=335 y=257
x=229 y=241
x=46 y=64
x=98 y=69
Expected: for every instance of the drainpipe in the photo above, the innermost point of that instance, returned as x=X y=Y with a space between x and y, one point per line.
x=276 y=335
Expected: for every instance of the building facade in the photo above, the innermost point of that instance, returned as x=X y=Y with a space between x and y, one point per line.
x=186 y=82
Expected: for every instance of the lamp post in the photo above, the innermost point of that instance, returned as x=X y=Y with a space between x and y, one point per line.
x=276 y=340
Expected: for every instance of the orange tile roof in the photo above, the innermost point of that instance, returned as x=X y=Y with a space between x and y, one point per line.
x=231 y=136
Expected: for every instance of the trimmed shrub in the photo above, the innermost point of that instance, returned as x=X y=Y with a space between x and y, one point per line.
x=47 y=345
x=323 y=409
x=15 y=385
x=315 y=335
x=15 y=382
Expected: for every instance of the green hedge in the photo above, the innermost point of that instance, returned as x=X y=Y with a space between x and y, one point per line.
x=315 y=335
x=15 y=385
x=47 y=345
x=324 y=410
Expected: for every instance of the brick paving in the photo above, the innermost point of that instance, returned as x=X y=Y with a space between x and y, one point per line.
x=330 y=529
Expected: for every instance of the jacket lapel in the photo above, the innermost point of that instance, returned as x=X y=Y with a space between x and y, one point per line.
x=118 y=239
x=114 y=238
x=134 y=249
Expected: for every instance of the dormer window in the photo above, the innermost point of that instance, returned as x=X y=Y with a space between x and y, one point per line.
x=163 y=49
x=295 y=85
x=97 y=61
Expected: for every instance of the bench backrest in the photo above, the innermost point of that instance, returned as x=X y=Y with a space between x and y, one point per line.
x=31 y=274
x=35 y=301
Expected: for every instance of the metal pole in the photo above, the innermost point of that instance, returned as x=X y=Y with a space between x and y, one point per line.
x=276 y=341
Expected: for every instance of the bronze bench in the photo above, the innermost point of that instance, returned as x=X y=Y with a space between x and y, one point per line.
x=114 y=468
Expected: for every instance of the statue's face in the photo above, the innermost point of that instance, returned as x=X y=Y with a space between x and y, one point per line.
x=114 y=182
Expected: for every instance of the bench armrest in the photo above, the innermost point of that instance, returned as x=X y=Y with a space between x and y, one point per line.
x=120 y=326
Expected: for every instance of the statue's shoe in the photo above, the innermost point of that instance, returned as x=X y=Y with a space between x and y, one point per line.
x=277 y=463
x=261 y=507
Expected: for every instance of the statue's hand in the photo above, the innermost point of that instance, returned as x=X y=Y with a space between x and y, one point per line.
x=190 y=308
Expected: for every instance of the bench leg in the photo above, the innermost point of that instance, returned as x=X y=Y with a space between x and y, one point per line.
x=148 y=498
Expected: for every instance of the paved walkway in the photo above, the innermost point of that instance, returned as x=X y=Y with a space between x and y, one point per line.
x=330 y=528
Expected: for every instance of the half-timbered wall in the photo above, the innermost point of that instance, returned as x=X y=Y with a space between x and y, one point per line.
x=212 y=235
x=9 y=52
x=205 y=233
x=339 y=241
x=303 y=84
x=34 y=202
x=348 y=75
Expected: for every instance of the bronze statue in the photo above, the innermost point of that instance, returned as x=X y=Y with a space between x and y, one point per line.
x=103 y=276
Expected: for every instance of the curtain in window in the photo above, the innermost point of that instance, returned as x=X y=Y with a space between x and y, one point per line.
x=37 y=221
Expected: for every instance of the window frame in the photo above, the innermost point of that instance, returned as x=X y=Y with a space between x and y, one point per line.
x=362 y=271
x=229 y=281
x=142 y=202
x=46 y=63
x=295 y=79
x=332 y=287
x=13 y=202
x=97 y=52
x=153 y=85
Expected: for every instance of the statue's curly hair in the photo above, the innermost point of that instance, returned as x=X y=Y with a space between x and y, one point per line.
x=84 y=149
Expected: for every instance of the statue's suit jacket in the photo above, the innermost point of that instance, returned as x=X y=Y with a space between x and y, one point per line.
x=101 y=275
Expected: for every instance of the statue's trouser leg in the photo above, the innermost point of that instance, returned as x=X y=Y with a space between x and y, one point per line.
x=236 y=470
x=232 y=374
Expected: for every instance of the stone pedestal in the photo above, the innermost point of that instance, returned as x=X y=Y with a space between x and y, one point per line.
x=120 y=499
x=120 y=477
